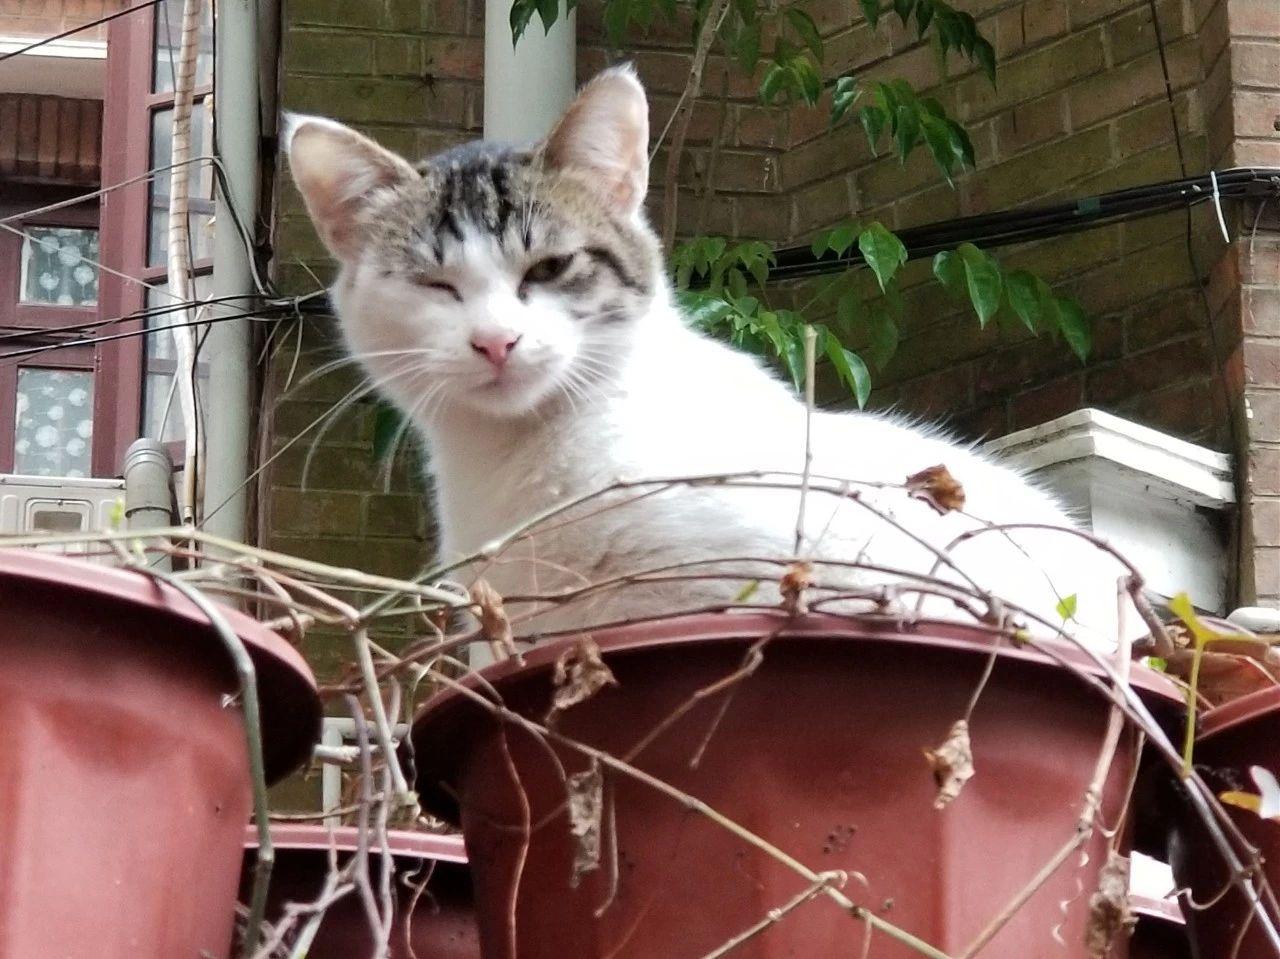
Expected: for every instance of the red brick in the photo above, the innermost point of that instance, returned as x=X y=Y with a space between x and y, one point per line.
x=1256 y=114
x=1253 y=18
x=1053 y=399
x=1256 y=63
x=1264 y=471
x=1266 y=521
x=1163 y=321
x=1261 y=311
x=1028 y=124
x=1181 y=410
x=1266 y=571
x=1262 y=362
x=761 y=126
x=939 y=393
x=1150 y=370
x=1110 y=92
x=1264 y=421
x=460 y=58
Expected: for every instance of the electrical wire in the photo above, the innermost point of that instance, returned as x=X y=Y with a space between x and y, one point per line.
x=1044 y=222
x=74 y=30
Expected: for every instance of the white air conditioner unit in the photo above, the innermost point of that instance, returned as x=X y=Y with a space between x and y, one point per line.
x=59 y=504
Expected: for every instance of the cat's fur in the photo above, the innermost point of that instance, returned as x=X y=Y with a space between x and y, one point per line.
x=606 y=382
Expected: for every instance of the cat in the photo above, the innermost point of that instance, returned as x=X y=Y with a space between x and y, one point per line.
x=513 y=303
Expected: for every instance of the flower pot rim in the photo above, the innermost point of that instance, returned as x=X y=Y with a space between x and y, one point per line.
x=283 y=673
x=1237 y=712
x=407 y=843
x=704 y=628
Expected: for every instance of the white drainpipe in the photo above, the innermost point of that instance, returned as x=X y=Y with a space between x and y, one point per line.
x=528 y=86
x=229 y=346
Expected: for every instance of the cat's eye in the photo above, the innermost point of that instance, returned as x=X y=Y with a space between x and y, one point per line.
x=428 y=282
x=547 y=270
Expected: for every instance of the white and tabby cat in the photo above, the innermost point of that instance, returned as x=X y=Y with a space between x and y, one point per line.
x=513 y=303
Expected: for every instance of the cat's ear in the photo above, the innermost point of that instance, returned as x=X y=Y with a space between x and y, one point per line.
x=605 y=135
x=336 y=169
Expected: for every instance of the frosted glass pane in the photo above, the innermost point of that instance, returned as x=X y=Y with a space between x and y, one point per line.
x=54 y=434
x=58 y=266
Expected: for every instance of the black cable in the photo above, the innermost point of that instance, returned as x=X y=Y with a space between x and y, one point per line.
x=1038 y=223
x=275 y=312
x=27 y=332
x=74 y=30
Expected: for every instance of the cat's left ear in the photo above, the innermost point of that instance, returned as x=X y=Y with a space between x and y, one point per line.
x=336 y=169
x=605 y=136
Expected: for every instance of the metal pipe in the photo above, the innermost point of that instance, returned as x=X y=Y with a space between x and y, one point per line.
x=228 y=345
x=526 y=85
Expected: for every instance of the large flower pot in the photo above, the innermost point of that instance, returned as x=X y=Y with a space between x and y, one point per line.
x=441 y=922
x=124 y=779
x=819 y=752
x=1232 y=737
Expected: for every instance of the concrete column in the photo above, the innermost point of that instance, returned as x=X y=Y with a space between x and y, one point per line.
x=526 y=86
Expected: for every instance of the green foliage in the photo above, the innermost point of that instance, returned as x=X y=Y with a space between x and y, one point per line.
x=721 y=284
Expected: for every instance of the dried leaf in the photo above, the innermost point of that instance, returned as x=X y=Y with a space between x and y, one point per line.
x=952 y=764
x=937 y=487
x=586 y=803
x=1110 y=918
x=493 y=618
x=579 y=674
x=797 y=579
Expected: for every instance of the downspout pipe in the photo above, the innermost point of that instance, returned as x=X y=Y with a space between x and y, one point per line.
x=228 y=347
x=527 y=85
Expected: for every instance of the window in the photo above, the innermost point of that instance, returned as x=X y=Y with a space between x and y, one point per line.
x=59 y=266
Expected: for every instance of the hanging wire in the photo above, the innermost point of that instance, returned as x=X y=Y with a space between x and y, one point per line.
x=74 y=30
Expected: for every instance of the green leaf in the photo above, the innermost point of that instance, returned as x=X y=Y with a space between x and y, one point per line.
x=616 y=13
x=1075 y=327
x=806 y=30
x=903 y=9
x=871 y=10
x=737 y=283
x=793 y=357
x=821 y=243
x=548 y=11
x=842 y=237
x=847 y=309
x=1024 y=299
x=961 y=144
x=849 y=366
x=982 y=277
x=908 y=129
x=776 y=79
x=704 y=311
x=387 y=423
x=924 y=15
x=843 y=97
x=884 y=337
x=873 y=120
x=950 y=273
x=985 y=54
x=748 y=590
x=746 y=47
x=1067 y=607
x=522 y=12
x=937 y=137
x=808 y=80
x=883 y=252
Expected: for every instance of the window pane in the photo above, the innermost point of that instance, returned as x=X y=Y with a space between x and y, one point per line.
x=169 y=38
x=54 y=435
x=161 y=411
x=199 y=185
x=59 y=266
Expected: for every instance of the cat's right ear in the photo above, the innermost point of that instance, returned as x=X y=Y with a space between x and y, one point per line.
x=336 y=169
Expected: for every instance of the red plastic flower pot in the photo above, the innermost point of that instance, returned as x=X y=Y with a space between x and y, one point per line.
x=124 y=781
x=1161 y=932
x=1232 y=737
x=818 y=752
x=440 y=921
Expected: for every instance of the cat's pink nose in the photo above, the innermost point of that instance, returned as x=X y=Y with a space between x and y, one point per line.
x=495 y=347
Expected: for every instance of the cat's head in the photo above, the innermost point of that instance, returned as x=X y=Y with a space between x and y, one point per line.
x=486 y=276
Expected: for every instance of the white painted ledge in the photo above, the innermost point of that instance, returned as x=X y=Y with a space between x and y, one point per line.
x=1180 y=469
x=1158 y=499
